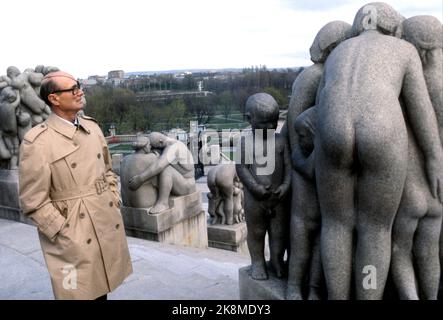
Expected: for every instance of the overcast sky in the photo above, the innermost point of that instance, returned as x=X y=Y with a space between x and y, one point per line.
x=88 y=37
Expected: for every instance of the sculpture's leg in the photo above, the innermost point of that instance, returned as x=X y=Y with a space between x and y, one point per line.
x=335 y=186
x=228 y=209
x=403 y=273
x=256 y=224
x=426 y=251
x=440 y=294
x=316 y=271
x=171 y=181
x=383 y=156
x=278 y=239
x=305 y=220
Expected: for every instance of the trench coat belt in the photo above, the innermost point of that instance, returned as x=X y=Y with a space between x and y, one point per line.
x=98 y=187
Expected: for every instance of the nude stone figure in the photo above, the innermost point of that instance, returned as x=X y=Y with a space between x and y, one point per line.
x=221 y=184
x=417 y=226
x=174 y=168
x=265 y=207
x=361 y=148
x=9 y=101
x=305 y=213
x=146 y=195
x=28 y=96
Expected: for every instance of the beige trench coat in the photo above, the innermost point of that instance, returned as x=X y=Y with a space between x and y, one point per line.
x=68 y=189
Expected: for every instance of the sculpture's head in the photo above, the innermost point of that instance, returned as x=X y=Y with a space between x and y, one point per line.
x=8 y=94
x=262 y=112
x=12 y=72
x=425 y=33
x=158 y=140
x=330 y=36
x=378 y=16
x=142 y=143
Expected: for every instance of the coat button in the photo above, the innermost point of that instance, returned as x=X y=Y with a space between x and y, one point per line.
x=88 y=241
x=73 y=165
x=117 y=225
x=75 y=144
x=65 y=211
x=99 y=155
x=42 y=126
x=67 y=225
x=82 y=215
x=111 y=203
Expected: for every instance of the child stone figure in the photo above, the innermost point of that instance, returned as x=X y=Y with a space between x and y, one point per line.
x=265 y=185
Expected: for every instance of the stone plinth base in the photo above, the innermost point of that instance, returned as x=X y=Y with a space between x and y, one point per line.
x=250 y=289
x=184 y=223
x=228 y=237
x=9 y=197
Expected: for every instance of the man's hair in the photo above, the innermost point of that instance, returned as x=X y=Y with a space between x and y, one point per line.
x=48 y=86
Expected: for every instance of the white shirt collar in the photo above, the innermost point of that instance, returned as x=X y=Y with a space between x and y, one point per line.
x=72 y=124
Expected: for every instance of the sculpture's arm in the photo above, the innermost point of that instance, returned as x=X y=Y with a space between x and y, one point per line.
x=305 y=165
x=244 y=174
x=167 y=157
x=283 y=189
x=423 y=122
x=258 y=190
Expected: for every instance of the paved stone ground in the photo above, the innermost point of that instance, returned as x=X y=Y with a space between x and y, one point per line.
x=161 y=271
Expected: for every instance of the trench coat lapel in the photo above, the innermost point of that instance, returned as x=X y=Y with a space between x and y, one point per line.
x=61 y=126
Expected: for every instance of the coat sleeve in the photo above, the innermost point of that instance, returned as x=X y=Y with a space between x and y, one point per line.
x=35 y=185
x=111 y=177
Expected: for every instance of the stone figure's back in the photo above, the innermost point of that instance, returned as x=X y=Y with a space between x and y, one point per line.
x=146 y=195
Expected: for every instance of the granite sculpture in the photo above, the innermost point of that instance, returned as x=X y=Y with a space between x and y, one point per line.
x=20 y=108
x=265 y=190
x=417 y=225
x=174 y=170
x=364 y=129
x=305 y=213
x=225 y=205
x=361 y=148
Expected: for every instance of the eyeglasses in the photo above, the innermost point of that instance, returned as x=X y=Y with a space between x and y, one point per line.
x=75 y=89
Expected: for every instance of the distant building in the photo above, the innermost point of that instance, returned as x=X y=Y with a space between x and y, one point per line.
x=99 y=79
x=89 y=82
x=116 y=74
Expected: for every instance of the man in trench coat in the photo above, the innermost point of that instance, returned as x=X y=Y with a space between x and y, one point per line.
x=68 y=189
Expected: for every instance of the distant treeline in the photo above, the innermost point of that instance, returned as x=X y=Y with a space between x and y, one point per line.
x=120 y=107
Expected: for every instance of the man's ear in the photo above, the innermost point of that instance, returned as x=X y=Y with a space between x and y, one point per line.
x=53 y=98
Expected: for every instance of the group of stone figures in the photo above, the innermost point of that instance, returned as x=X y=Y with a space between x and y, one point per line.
x=21 y=108
x=364 y=130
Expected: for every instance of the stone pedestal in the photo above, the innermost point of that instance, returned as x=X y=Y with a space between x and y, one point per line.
x=228 y=237
x=250 y=289
x=184 y=223
x=9 y=197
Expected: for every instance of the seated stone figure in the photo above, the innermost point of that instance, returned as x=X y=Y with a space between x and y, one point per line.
x=146 y=195
x=224 y=198
x=174 y=170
